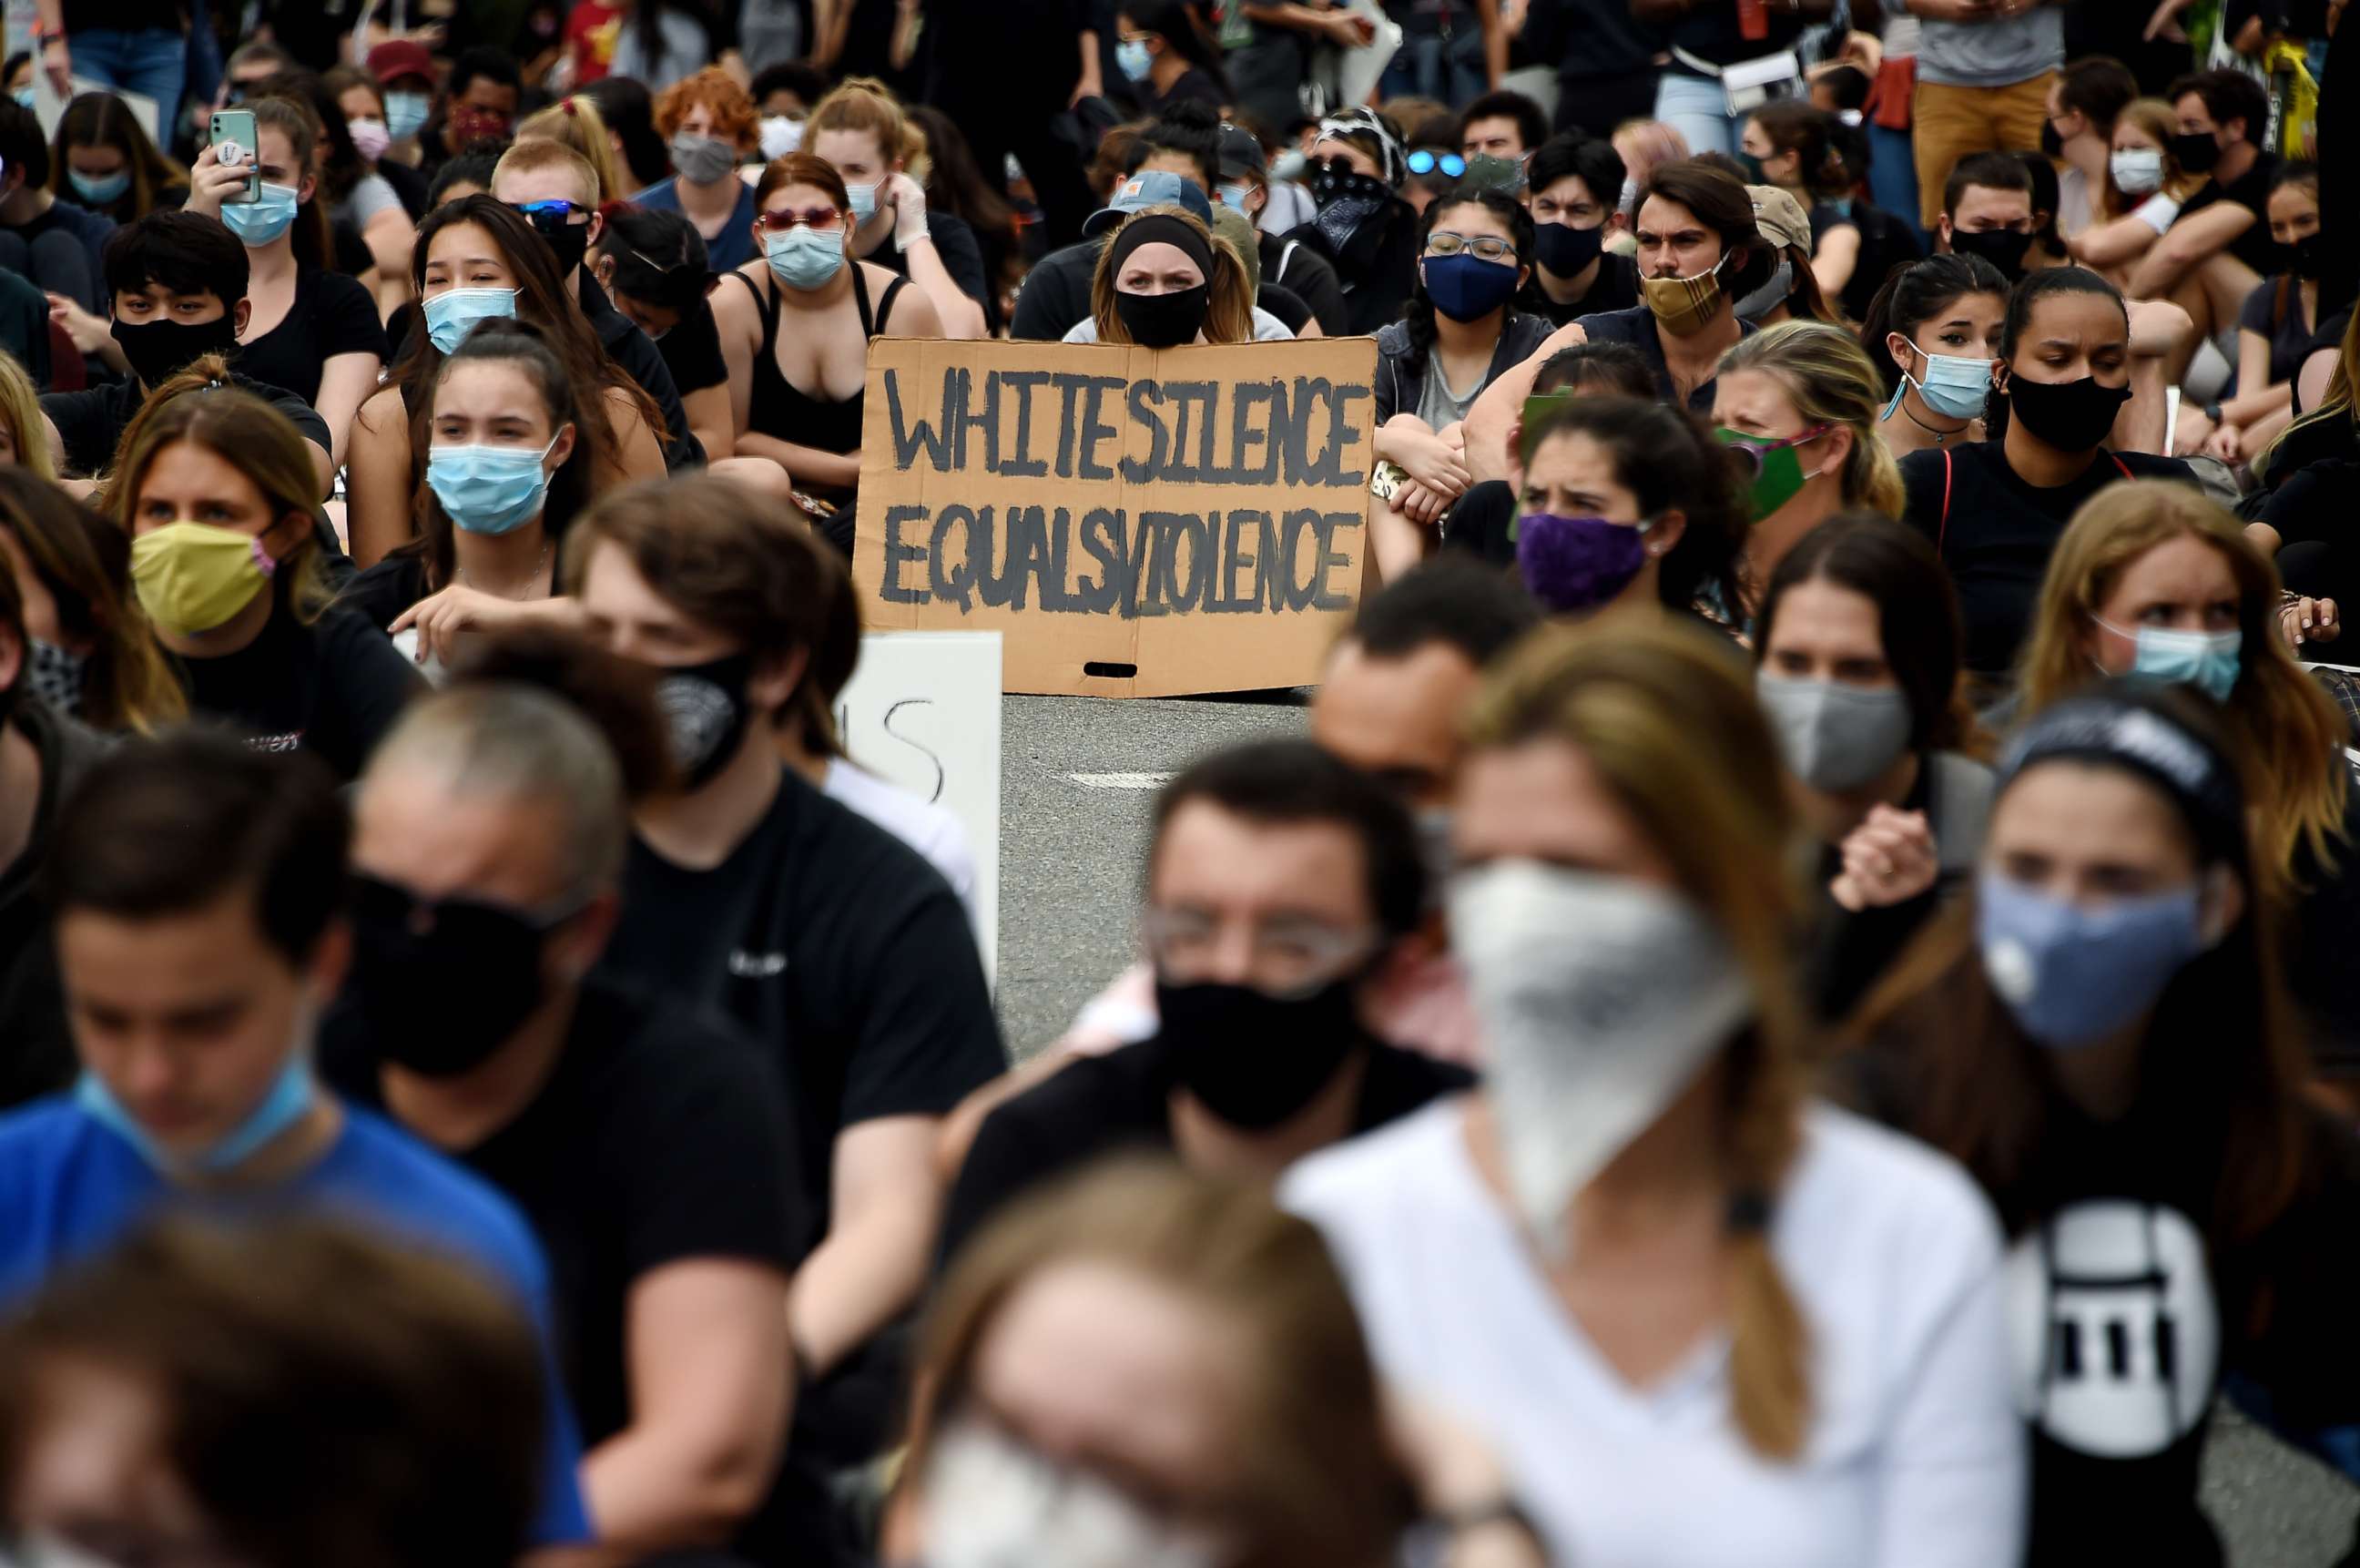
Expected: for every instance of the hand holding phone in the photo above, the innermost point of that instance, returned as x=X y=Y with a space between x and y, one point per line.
x=231 y=132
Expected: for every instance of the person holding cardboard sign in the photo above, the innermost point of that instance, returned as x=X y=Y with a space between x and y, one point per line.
x=1165 y=281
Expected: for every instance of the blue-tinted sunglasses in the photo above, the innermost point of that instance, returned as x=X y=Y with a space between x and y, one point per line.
x=1425 y=160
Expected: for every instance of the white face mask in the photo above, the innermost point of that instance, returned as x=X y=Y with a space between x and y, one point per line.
x=991 y=1503
x=1600 y=999
x=2138 y=169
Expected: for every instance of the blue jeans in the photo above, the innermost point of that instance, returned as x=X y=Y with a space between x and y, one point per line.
x=153 y=63
x=1450 y=71
x=1696 y=107
x=1893 y=173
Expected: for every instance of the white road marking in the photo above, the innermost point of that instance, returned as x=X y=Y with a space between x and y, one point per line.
x=1119 y=781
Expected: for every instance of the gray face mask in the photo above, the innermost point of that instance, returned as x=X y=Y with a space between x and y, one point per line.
x=1835 y=737
x=1770 y=296
x=55 y=676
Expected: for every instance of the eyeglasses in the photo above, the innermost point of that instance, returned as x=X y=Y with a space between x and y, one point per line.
x=1425 y=160
x=827 y=220
x=1487 y=246
x=1290 y=956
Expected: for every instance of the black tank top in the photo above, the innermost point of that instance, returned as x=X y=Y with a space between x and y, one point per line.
x=779 y=408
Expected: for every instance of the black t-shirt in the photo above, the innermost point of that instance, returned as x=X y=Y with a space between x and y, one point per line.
x=692 y=352
x=1616 y=288
x=331 y=314
x=1195 y=86
x=1057 y=293
x=382 y=592
x=1636 y=325
x=962 y=256
x=90 y=229
x=1886 y=242
x=2250 y=191
x=2274 y=312
x=1378 y=272
x=1099 y=1105
x=1478 y=523
x=1712 y=34
x=838 y=949
x=91 y=423
x=37 y=1049
x=1995 y=532
x=644 y=363
x=1285 y=304
x=659 y=1136
x=1303 y=272
x=333 y=688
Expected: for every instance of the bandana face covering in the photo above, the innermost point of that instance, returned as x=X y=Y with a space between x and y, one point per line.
x=1351 y=206
x=56 y=675
x=1682 y=305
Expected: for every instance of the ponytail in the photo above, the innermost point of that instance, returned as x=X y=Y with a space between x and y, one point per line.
x=1769 y=1352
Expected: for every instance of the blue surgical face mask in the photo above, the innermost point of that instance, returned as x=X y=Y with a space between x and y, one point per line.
x=25 y=96
x=262 y=220
x=2209 y=661
x=290 y=1096
x=405 y=113
x=2070 y=976
x=863 y=200
x=451 y=313
x=1955 y=385
x=804 y=257
x=109 y=187
x=489 y=489
x=1235 y=197
x=1132 y=57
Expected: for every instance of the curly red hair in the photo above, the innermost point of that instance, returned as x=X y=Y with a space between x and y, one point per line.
x=734 y=116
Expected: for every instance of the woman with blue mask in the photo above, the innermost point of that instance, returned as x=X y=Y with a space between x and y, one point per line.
x=477 y=260
x=504 y=430
x=102 y=160
x=860 y=131
x=1165 y=57
x=1461 y=330
x=796 y=330
x=1932 y=332
x=2100 y=1037
x=311 y=331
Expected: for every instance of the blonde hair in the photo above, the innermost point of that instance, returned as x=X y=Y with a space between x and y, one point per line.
x=2152 y=117
x=20 y=405
x=865 y=104
x=2287 y=728
x=1317 y=1481
x=1228 y=309
x=1671 y=726
x=1832 y=381
x=575 y=124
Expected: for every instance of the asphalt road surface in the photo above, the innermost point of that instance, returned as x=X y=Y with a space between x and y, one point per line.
x=1078 y=777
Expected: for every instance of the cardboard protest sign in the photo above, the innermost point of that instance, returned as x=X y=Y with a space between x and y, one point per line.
x=1133 y=522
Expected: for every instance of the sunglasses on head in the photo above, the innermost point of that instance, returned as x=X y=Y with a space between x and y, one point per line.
x=1425 y=160
x=824 y=219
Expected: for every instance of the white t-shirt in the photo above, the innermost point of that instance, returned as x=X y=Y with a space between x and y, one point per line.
x=930 y=829
x=1915 y=1457
x=2075 y=207
x=1268 y=328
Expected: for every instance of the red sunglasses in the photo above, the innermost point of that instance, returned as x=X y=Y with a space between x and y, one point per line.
x=824 y=219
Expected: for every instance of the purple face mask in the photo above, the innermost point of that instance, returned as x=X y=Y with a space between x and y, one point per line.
x=1574 y=564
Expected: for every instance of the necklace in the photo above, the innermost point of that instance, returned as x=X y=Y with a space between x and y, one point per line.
x=1940 y=435
x=538 y=567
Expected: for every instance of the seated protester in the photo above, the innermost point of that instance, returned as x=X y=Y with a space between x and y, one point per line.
x=752 y=892
x=1484 y=521
x=1801 y=403
x=709 y=123
x=90 y=654
x=1616 y=839
x=649 y=1148
x=1987 y=211
x=308 y=329
x=1575 y=181
x=363 y=101
x=479 y=105
x=1163 y=53
x=1504 y=126
x=406 y=71
x=2220 y=245
x=956 y=183
x=2145 y=189
x=103 y=161
x=2276 y=324
x=1165 y=281
x=1790 y=144
x=2084 y=99
x=859 y=131
x=2156 y=580
x=228 y=565
x=1245 y=188
x=371 y=228
x=197 y=886
x=1994 y=509
x=1699 y=253
x=346 y=1348
x=55 y=245
x=506 y=446
x=1791 y=292
x=1856 y=664
x=1460 y=332
x=25 y=317
x=477 y=259
x=1280 y=881
x=653 y=266
x=460 y=177
x=556 y=192
x=176 y=286
x=2047 y=248
x=1933 y=334
x=574 y=124
x=1363 y=226
x=2103 y=1042
x=794 y=332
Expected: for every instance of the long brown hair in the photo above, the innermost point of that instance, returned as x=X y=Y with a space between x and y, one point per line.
x=102 y=120
x=1316 y=1481
x=1672 y=728
x=315 y=246
x=1229 y=307
x=85 y=562
x=2288 y=729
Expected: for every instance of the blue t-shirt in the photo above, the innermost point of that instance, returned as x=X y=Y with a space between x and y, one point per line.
x=68 y=1186
x=734 y=246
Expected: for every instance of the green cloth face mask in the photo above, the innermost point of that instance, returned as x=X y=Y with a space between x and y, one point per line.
x=1777 y=471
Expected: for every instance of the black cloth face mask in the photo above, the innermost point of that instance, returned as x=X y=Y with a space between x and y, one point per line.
x=2196 y=152
x=1163 y=321
x=1564 y=249
x=2071 y=416
x=2004 y=249
x=1254 y=1060
x=158 y=349
x=703 y=707
x=569 y=241
x=440 y=986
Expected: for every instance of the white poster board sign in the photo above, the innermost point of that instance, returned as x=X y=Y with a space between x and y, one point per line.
x=923 y=711
x=49 y=108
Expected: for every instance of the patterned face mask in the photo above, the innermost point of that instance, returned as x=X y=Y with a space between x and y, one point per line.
x=54 y=675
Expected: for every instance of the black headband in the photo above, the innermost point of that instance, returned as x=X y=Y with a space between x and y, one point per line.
x=2131 y=735
x=1163 y=228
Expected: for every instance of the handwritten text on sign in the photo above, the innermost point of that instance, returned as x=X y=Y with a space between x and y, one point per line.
x=1134 y=523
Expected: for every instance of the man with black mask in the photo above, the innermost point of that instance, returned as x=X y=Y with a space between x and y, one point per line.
x=176 y=290
x=1362 y=225
x=1280 y=881
x=1987 y=210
